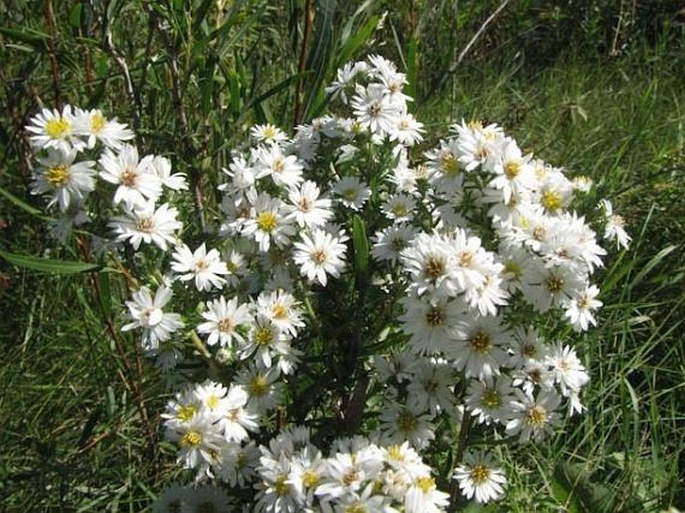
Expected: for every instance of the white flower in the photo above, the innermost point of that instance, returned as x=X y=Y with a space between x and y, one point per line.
x=390 y=242
x=568 y=372
x=401 y=423
x=430 y=323
x=374 y=109
x=319 y=255
x=400 y=207
x=284 y=170
x=614 y=228
x=352 y=191
x=67 y=182
x=161 y=166
x=306 y=208
x=533 y=417
x=136 y=180
x=93 y=125
x=222 y=320
x=145 y=224
x=268 y=133
x=146 y=312
x=478 y=348
x=479 y=478
x=424 y=497
x=579 y=309
x=489 y=400
x=52 y=129
x=267 y=221
x=205 y=267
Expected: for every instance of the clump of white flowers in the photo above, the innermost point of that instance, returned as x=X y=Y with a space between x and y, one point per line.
x=357 y=285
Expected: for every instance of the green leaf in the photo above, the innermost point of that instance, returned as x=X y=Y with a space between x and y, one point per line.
x=19 y=203
x=47 y=265
x=34 y=38
x=361 y=250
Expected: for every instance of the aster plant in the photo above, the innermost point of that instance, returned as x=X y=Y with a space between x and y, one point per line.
x=367 y=313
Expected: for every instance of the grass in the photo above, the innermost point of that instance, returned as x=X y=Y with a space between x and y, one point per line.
x=80 y=408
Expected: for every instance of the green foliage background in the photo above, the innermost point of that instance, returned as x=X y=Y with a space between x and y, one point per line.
x=593 y=85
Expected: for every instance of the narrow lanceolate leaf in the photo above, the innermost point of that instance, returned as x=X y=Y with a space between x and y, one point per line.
x=361 y=250
x=47 y=265
x=19 y=203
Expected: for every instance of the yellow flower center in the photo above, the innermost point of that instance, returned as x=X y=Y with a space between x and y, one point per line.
x=480 y=342
x=480 y=474
x=435 y=317
x=512 y=169
x=536 y=416
x=399 y=210
x=406 y=422
x=259 y=386
x=465 y=258
x=350 y=194
x=279 y=311
x=129 y=177
x=434 y=268
x=449 y=164
x=310 y=479
x=263 y=337
x=554 y=284
x=57 y=128
x=186 y=412
x=58 y=175
x=318 y=256
x=395 y=453
x=551 y=200
x=145 y=224
x=191 y=439
x=97 y=122
x=425 y=484
x=356 y=508
x=225 y=325
x=475 y=124
x=212 y=402
x=269 y=132
x=512 y=270
x=267 y=221
x=280 y=486
x=491 y=399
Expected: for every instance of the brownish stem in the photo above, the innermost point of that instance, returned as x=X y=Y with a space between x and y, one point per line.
x=50 y=20
x=308 y=20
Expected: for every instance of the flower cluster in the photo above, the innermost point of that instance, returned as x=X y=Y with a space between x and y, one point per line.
x=66 y=140
x=357 y=284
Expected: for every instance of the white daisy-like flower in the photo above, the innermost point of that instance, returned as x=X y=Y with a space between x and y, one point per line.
x=478 y=347
x=54 y=129
x=400 y=423
x=222 y=321
x=375 y=110
x=480 y=478
x=202 y=266
x=161 y=166
x=408 y=130
x=267 y=221
x=149 y=225
x=146 y=312
x=207 y=498
x=136 y=180
x=567 y=370
x=66 y=181
x=94 y=126
x=399 y=208
x=489 y=400
x=268 y=133
x=423 y=496
x=533 y=417
x=615 y=226
x=318 y=255
x=306 y=208
x=284 y=170
x=352 y=191
x=391 y=241
x=579 y=309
